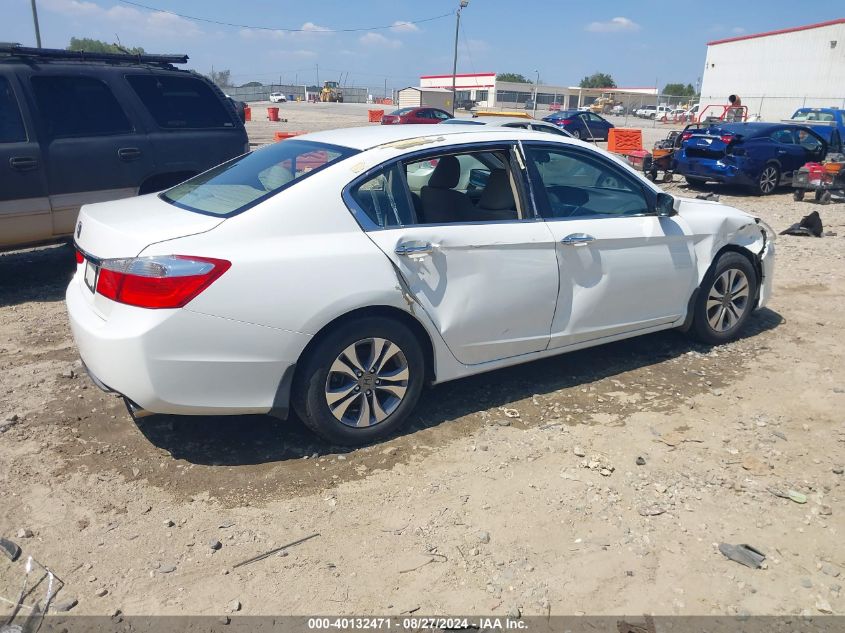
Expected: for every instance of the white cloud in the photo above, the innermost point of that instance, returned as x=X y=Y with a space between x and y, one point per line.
x=127 y=19
x=377 y=39
x=401 y=26
x=261 y=34
x=310 y=27
x=613 y=26
x=737 y=30
x=302 y=53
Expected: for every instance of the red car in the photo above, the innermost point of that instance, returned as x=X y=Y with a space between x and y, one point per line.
x=415 y=115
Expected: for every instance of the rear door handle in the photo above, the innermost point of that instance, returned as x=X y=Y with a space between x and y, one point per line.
x=414 y=248
x=577 y=239
x=129 y=153
x=23 y=163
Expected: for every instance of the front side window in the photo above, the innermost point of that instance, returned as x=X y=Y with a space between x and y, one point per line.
x=235 y=186
x=180 y=102
x=11 y=123
x=578 y=184
x=74 y=106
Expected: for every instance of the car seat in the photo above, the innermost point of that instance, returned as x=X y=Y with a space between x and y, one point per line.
x=497 y=201
x=440 y=202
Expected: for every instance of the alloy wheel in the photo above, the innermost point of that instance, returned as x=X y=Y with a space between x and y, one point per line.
x=367 y=382
x=727 y=300
x=769 y=179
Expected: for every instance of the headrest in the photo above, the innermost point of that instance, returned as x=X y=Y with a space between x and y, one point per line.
x=447 y=173
x=497 y=195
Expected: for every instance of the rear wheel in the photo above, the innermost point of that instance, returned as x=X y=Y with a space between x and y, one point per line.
x=767 y=181
x=825 y=197
x=576 y=133
x=725 y=299
x=798 y=195
x=360 y=383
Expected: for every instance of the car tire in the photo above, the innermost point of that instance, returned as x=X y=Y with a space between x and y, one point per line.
x=825 y=198
x=768 y=180
x=329 y=374
x=798 y=195
x=576 y=134
x=725 y=299
x=695 y=183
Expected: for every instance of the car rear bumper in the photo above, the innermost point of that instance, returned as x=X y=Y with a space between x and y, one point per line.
x=184 y=362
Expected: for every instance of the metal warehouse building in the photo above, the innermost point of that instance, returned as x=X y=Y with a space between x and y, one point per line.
x=777 y=72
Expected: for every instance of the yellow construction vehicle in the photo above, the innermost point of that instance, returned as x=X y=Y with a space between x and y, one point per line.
x=331 y=93
x=604 y=104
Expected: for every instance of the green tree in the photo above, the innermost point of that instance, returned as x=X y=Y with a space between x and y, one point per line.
x=679 y=90
x=252 y=84
x=513 y=78
x=221 y=77
x=98 y=46
x=598 y=80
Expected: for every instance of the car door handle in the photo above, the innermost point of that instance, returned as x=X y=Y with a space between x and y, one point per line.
x=781 y=151
x=129 y=153
x=414 y=248
x=23 y=163
x=577 y=239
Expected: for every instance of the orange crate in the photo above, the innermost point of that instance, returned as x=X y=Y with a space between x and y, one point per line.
x=624 y=139
x=833 y=168
x=281 y=136
x=375 y=115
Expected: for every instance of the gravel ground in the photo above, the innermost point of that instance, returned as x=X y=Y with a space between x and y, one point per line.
x=598 y=482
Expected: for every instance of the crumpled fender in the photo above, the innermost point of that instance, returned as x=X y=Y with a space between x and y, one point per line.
x=714 y=226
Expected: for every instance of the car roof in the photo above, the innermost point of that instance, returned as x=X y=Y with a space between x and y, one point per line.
x=494 y=120
x=364 y=138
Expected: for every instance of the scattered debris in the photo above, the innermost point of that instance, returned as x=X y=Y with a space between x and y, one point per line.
x=483 y=537
x=10 y=549
x=626 y=627
x=794 y=495
x=809 y=226
x=651 y=511
x=233 y=607
x=754 y=465
x=273 y=551
x=830 y=570
x=743 y=554
x=167 y=569
x=823 y=606
x=640 y=461
x=511 y=413
x=214 y=544
x=713 y=197
x=226 y=524
x=24 y=533
x=65 y=605
x=101 y=592
x=168 y=523
x=579 y=452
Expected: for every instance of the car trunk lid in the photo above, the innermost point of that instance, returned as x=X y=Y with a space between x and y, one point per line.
x=113 y=230
x=124 y=229
x=711 y=144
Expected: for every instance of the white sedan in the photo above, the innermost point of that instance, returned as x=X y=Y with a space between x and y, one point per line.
x=278 y=97
x=340 y=272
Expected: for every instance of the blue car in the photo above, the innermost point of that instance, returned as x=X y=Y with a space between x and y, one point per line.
x=760 y=156
x=584 y=125
x=828 y=122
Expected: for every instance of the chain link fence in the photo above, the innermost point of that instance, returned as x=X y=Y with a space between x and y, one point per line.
x=292 y=92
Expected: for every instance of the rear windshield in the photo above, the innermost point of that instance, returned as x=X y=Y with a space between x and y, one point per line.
x=401 y=111
x=245 y=181
x=181 y=102
x=810 y=115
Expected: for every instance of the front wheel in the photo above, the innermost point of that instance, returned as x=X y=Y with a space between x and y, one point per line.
x=361 y=381
x=576 y=133
x=725 y=299
x=767 y=181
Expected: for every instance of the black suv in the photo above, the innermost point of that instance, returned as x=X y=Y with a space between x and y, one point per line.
x=79 y=127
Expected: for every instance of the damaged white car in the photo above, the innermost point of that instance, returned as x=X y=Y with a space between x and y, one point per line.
x=339 y=272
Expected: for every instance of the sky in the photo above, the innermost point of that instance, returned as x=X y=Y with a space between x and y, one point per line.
x=639 y=43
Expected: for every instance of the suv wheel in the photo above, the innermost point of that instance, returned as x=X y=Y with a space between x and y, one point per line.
x=768 y=180
x=725 y=299
x=360 y=383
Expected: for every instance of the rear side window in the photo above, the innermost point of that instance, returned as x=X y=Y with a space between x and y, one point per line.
x=180 y=102
x=384 y=199
x=11 y=123
x=73 y=106
x=244 y=182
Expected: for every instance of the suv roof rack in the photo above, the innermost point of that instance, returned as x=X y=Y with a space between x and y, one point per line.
x=58 y=53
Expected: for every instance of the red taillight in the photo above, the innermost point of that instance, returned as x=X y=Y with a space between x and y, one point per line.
x=726 y=138
x=686 y=136
x=169 y=281
x=565 y=122
x=79 y=256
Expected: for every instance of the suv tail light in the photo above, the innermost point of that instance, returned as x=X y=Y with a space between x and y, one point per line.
x=161 y=281
x=80 y=258
x=726 y=138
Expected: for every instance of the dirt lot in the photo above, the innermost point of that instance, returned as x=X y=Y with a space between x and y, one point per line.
x=513 y=491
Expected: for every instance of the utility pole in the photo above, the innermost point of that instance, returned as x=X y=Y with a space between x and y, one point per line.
x=463 y=5
x=536 y=86
x=35 y=21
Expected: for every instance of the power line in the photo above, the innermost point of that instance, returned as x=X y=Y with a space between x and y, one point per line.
x=270 y=28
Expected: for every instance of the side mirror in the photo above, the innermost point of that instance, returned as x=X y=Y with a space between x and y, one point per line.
x=665 y=205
